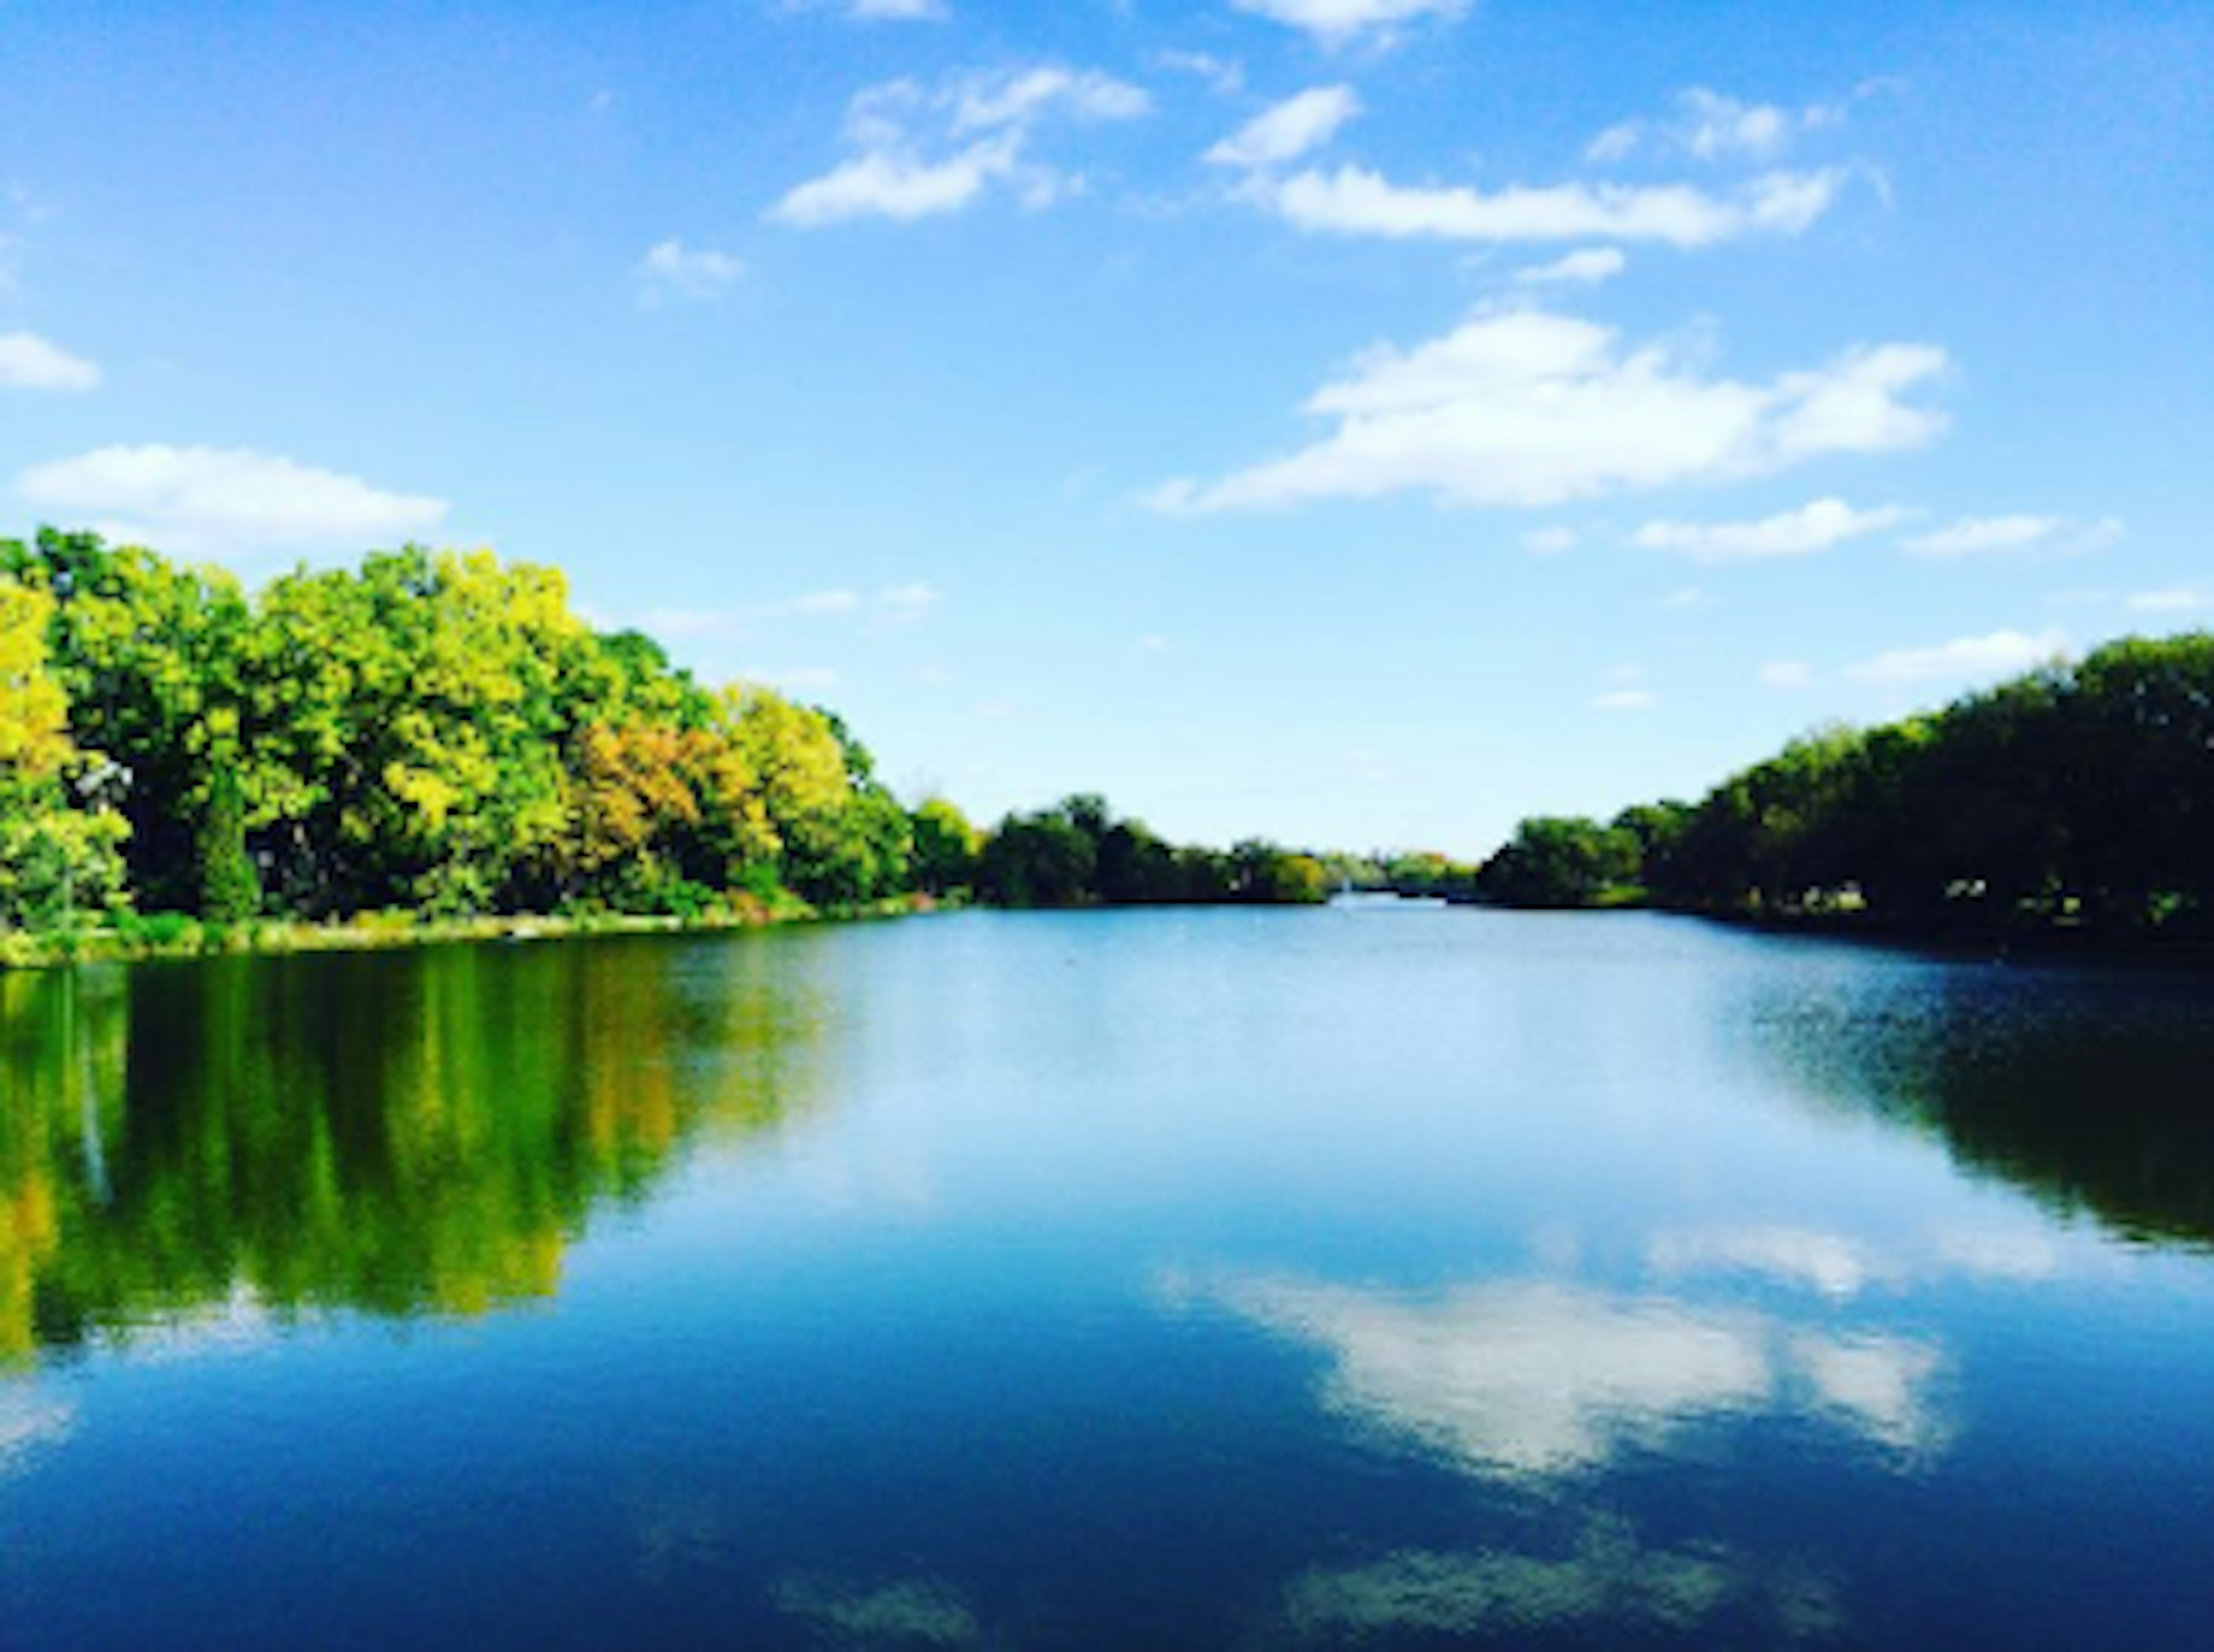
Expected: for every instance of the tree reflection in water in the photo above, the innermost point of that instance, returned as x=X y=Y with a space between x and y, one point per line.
x=2088 y=1089
x=394 y=1134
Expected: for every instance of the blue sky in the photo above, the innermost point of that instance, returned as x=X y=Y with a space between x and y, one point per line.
x=1359 y=422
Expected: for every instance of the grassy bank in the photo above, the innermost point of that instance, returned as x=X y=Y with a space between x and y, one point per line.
x=174 y=935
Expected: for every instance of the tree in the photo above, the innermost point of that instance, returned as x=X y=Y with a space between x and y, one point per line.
x=945 y=847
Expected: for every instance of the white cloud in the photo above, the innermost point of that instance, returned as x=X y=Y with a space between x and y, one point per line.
x=691 y=624
x=1685 y=601
x=196 y=501
x=2001 y=653
x=2178 y=599
x=893 y=605
x=905 y=604
x=925 y=153
x=1714 y=127
x=896 y=11
x=1354 y=201
x=1583 y=268
x=1289 y=130
x=877 y=11
x=898 y=187
x=1625 y=700
x=989 y=102
x=1788 y=674
x=1550 y=541
x=1226 y=75
x=672 y=270
x=1338 y=22
x=1999 y=535
x=28 y=361
x=1527 y=407
x=1810 y=529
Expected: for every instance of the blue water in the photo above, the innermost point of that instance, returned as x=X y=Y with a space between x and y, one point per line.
x=1114 y=1280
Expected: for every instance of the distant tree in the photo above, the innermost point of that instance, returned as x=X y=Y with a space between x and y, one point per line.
x=1560 y=860
x=945 y=847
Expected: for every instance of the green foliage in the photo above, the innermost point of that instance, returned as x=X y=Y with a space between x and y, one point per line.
x=438 y=733
x=1561 y=860
x=2077 y=795
x=231 y=889
x=946 y=845
x=1077 y=853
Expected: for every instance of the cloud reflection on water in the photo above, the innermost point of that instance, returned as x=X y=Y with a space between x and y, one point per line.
x=1537 y=1379
x=30 y=1423
x=909 y=1612
x=1839 y=1268
x=1609 y=1579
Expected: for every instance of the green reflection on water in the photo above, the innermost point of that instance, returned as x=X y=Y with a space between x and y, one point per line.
x=398 y=1135
x=2091 y=1097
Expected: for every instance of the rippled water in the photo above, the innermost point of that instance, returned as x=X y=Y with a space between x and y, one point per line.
x=1207 y=1279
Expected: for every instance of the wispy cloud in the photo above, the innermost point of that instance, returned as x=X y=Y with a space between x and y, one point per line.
x=1336 y=23
x=878 y=11
x=1710 y=126
x=2005 y=534
x=1356 y=201
x=1625 y=691
x=1225 y=75
x=1999 y=653
x=2176 y=599
x=1583 y=268
x=1788 y=674
x=1811 y=529
x=1530 y=407
x=672 y=270
x=1625 y=700
x=925 y=152
x=197 y=501
x=891 y=606
x=1550 y=541
x=1294 y=127
x=907 y=604
x=28 y=361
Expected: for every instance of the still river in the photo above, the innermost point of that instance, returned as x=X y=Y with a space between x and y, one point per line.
x=1110 y=1280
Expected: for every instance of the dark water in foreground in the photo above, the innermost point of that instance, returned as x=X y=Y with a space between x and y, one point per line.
x=1213 y=1279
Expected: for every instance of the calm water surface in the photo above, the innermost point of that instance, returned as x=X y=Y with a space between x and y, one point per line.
x=1207 y=1279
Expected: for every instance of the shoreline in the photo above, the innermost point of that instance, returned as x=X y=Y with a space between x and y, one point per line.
x=174 y=937
x=2071 y=943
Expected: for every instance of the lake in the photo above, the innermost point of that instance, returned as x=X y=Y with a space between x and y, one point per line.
x=1110 y=1280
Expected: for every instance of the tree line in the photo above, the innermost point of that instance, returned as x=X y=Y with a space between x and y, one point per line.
x=442 y=733
x=2078 y=794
